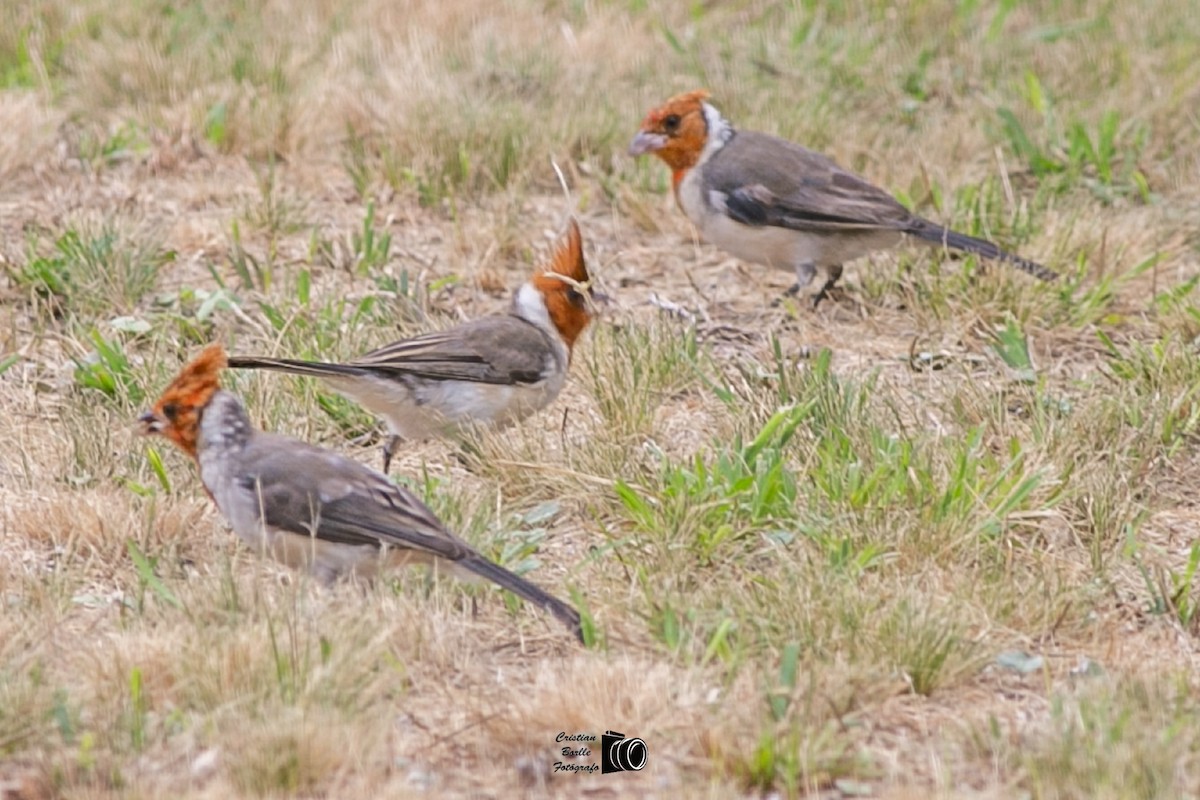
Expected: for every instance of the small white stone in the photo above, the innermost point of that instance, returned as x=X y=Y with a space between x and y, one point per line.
x=205 y=764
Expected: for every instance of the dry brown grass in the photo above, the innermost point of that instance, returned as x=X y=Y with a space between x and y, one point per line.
x=944 y=512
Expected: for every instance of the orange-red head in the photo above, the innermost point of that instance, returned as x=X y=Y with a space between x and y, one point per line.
x=676 y=131
x=176 y=415
x=566 y=289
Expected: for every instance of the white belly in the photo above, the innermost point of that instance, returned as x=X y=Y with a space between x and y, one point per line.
x=327 y=561
x=436 y=408
x=781 y=248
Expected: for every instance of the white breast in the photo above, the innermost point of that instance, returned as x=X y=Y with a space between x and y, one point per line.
x=435 y=408
x=780 y=248
x=772 y=246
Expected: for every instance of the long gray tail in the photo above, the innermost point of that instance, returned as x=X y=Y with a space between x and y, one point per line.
x=525 y=590
x=936 y=234
x=316 y=369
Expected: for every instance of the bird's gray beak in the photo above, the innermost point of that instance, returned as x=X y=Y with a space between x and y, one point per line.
x=149 y=423
x=646 y=142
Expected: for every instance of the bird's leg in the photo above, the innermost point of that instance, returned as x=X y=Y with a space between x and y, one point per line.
x=805 y=271
x=835 y=272
x=389 y=450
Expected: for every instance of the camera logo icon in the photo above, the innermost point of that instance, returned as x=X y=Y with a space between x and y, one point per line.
x=618 y=754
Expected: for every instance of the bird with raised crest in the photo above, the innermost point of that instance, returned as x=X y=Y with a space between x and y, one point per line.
x=491 y=371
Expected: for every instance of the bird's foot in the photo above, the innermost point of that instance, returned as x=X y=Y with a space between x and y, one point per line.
x=830 y=291
x=788 y=294
x=833 y=293
x=389 y=450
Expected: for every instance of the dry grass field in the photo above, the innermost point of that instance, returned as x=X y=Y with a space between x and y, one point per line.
x=939 y=538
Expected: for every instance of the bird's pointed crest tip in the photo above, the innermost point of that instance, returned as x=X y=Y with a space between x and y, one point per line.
x=211 y=360
x=202 y=373
x=199 y=378
x=568 y=256
x=565 y=288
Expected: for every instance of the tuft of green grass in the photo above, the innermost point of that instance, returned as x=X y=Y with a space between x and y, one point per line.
x=371 y=249
x=795 y=761
x=1103 y=159
x=632 y=369
x=929 y=649
x=108 y=370
x=1115 y=740
x=33 y=47
x=713 y=500
x=147 y=579
x=89 y=270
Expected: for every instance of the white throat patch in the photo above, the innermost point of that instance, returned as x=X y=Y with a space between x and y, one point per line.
x=719 y=131
x=529 y=305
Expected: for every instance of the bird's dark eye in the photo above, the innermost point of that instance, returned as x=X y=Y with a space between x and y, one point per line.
x=576 y=297
x=671 y=123
x=170 y=411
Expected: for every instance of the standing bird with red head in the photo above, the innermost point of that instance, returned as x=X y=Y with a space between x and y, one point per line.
x=307 y=507
x=492 y=371
x=768 y=201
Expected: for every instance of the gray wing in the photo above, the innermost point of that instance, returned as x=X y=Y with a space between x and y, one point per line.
x=309 y=491
x=300 y=487
x=772 y=182
x=502 y=350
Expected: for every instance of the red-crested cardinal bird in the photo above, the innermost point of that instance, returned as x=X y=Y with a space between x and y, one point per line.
x=307 y=507
x=769 y=201
x=495 y=370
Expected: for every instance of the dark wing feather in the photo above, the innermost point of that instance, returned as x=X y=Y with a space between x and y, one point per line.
x=502 y=350
x=299 y=485
x=769 y=181
x=351 y=504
